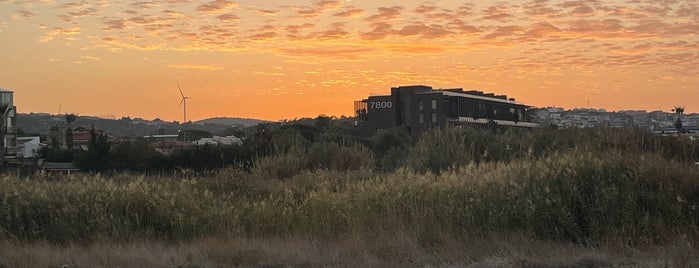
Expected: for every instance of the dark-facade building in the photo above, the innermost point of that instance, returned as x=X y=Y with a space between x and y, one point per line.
x=418 y=108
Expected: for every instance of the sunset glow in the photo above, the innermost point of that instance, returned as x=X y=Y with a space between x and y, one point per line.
x=288 y=59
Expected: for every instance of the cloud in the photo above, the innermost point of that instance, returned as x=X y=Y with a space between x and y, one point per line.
x=425 y=9
x=115 y=24
x=385 y=14
x=336 y=31
x=539 y=8
x=380 y=31
x=75 y=5
x=267 y=12
x=608 y=28
x=88 y=57
x=228 y=17
x=461 y=27
x=56 y=32
x=319 y=7
x=296 y=29
x=27 y=14
x=217 y=6
x=197 y=67
x=502 y=31
x=263 y=36
x=424 y=31
x=145 y=4
x=350 y=12
x=83 y=13
x=498 y=12
x=328 y=53
x=417 y=49
x=539 y=31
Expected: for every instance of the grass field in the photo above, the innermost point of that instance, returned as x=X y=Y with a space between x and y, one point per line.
x=574 y=206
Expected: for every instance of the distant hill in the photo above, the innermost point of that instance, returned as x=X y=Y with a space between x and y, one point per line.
x=229 y=121
x=39 y=123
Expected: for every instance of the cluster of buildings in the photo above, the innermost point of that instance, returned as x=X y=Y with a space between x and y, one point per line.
x=656 y=121
x=415 y=108
x=25 y=150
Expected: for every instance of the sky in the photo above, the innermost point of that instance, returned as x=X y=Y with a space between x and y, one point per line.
x=290 y=59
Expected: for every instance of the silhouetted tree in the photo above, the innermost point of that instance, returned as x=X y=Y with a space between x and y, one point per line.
x=70 y=118
x=97 y=156
x=679 y=110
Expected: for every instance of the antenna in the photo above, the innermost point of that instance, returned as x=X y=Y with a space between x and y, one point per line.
x=59 y=108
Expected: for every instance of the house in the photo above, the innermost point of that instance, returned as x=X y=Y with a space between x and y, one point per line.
x=28 y=147
x=81 y=137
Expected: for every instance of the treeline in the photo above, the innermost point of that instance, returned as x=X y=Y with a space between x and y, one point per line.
x=283 y=150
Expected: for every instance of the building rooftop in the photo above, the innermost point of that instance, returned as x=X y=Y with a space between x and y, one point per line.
x=5 y=90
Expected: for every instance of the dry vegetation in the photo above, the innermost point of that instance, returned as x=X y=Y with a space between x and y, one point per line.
x=554 y=199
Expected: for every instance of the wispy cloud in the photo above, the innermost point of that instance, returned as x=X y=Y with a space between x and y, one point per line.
x=217 y=6
x=194 y=66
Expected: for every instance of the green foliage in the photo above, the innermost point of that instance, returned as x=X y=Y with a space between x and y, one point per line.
x=451 y=148
x=70 y=118
x=391 y=148
x=320 y=156
x=50 y=154
x=135 y=156
x=96 y=158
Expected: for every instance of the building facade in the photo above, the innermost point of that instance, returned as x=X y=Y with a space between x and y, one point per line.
x=8 y=124
x=419 y=108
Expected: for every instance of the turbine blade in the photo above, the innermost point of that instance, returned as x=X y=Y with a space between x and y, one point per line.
x=182 y=101
x=178 y=87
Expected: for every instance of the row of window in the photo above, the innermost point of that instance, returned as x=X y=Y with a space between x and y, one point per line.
x=421 y=106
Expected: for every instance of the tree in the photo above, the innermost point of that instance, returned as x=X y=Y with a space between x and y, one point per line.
x=679 y=110
x=70 y=118
x=97 y=156
x=55 y=136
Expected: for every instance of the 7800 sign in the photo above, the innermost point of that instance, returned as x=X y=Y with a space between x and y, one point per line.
x=380 y=105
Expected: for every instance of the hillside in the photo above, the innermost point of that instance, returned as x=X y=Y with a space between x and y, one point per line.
x=39 y=123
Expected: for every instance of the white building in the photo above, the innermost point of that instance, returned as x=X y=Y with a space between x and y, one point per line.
x=28 y=147
x=216 y=140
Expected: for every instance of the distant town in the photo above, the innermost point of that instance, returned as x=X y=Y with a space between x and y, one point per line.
x=656 y=121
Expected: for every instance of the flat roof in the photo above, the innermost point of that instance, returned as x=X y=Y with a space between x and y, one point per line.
x=458 y=94
x=5 y=90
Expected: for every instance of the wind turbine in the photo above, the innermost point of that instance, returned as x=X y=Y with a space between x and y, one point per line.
x=183 y=103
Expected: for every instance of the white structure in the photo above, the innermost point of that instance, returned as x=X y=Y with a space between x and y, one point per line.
x=28 y=147
x=216 y=140
x=8 y=124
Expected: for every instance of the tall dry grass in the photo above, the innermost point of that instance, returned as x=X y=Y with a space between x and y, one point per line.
x=600 y=188
x=572 y=196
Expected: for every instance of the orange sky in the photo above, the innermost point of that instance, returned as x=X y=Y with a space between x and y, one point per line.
x=288 y=59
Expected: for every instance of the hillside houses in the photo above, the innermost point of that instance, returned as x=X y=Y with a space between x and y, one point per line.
x=586 y=118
